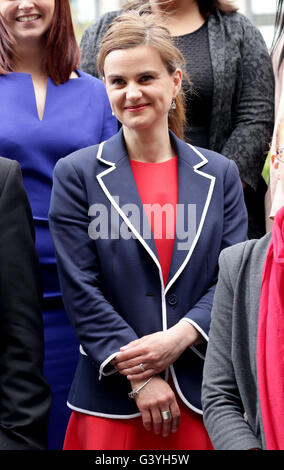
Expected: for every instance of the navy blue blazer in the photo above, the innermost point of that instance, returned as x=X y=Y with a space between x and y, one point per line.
x=109 y=269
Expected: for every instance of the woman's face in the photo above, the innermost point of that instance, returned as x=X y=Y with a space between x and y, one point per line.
x=27 y=19
x=139 y=87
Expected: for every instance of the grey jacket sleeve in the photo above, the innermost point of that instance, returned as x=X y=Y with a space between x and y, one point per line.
x=253 y=113
x=91 y=41
x=221 y=401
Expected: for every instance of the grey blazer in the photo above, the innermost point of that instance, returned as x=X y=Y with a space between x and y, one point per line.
x=230 y=393
x=243 y=95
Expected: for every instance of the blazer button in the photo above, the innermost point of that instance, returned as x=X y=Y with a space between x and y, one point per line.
x=172 y=299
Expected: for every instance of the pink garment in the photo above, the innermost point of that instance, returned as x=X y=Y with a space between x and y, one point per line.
x=270 y=339
x=274 y=199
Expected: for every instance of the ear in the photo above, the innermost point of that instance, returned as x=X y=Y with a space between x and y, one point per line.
x=177 y=78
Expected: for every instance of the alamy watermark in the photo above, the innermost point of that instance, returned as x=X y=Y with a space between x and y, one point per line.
x=109 y=224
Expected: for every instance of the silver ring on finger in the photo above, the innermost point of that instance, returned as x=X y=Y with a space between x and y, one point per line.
x=166 y=415
x=142 y=367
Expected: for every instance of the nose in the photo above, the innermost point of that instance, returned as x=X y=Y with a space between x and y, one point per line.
x=25 y=5
x=133 y=92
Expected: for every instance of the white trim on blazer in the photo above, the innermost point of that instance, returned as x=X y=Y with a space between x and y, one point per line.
x=164 y=289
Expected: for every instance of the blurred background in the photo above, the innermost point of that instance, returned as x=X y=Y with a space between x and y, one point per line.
x=260 y=12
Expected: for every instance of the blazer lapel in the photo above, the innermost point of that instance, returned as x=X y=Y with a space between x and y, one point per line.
x=119 y=186
x=195 y=188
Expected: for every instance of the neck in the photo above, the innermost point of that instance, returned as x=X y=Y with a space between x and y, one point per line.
x=149 y=147
x=30 y=59
x=179 y=16
x=175 y=7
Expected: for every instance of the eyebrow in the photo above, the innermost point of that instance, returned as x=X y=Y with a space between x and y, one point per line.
x=146 y=72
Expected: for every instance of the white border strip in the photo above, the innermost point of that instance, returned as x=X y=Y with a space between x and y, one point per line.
x=181 y=395
x=134 y=231
x=204 y=213
x=142 y=241
x=102 y=415
x=105 y=363
x=196 y=326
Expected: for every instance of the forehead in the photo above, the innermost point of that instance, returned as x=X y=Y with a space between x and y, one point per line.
x=134 y=59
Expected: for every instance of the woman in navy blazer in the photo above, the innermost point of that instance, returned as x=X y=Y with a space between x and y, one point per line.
x=136 y=331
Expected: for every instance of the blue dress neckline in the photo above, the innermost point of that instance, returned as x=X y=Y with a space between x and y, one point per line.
x=49 y=84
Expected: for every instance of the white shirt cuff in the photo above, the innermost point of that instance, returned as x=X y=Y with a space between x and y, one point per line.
x=203 y=334
x=105 y=363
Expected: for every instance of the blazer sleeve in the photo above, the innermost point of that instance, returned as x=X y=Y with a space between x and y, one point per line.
x=253 y=113
x=222 y=405
x=234 y=231
x=100 y=329
x=25 y=397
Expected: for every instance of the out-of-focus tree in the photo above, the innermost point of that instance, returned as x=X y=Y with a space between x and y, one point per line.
x=79 y=27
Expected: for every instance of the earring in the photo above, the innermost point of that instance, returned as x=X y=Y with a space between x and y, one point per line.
x=112 y=113
x=173 y=105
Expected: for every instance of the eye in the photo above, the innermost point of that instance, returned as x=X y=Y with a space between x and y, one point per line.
x=117 y=81
x=146 y=78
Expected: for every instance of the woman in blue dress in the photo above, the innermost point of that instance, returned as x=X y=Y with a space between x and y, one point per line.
x=49 y=108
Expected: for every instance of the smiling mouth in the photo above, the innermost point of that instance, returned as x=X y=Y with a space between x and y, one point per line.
x=137 y=107
x=25 y=19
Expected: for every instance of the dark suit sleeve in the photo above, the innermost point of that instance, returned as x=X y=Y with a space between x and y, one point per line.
x=24 y=394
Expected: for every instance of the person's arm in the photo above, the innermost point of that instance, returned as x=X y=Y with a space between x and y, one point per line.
x=25 y=397
x=88 y=47
x=222 y=405
x=253 y=114
x=91 y=40
x=159 y=350
x=99 y=327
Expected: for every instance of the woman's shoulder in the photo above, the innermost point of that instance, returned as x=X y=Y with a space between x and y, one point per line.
x=89 y=80
x=8 y=168
x=234 y=17
x=234 y=21
x=215 y=161
x=78 y=161
x=102 y=23
x=89 y=88
x=253 y=251
x=5 y=164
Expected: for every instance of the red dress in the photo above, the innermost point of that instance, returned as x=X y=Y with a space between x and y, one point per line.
x=157 y=183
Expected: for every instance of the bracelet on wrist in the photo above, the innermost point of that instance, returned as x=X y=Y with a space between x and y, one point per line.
x=134 y=393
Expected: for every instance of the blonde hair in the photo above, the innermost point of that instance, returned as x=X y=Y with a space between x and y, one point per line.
x=133 y=29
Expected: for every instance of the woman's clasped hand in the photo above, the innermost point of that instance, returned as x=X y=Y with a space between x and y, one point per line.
x=153 y=400
x=146 y=357
x=155 y=352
